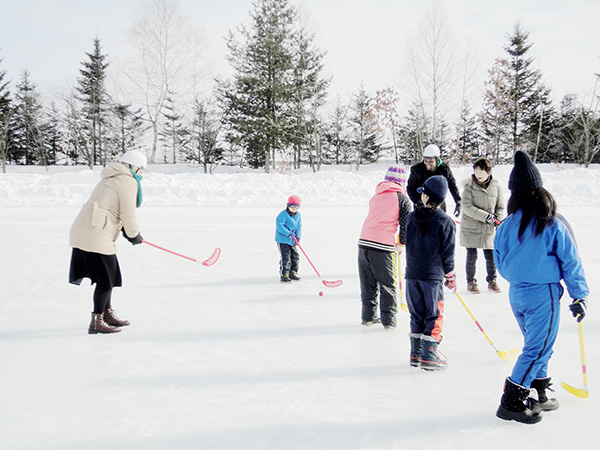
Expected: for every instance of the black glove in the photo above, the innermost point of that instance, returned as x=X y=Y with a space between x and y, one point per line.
x=457 y=209
x=578 y=308
x=491 y=219
x=134 y=240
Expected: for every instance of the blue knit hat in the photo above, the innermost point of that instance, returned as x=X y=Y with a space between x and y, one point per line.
x=524 y=175
x=436 y=188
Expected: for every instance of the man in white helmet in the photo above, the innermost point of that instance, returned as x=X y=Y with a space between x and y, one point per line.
x=432 y=165
x=109 y=210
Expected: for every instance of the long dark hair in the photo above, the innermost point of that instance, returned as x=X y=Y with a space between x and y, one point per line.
x=423 y=216
x=537 y=205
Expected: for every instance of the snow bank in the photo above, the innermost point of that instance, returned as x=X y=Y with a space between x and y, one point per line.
x=184 y=185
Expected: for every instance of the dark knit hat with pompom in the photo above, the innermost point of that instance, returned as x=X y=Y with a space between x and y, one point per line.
x=524 y=175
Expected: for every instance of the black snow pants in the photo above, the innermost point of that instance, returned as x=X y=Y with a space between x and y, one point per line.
x=377 y=273
x=290 y=259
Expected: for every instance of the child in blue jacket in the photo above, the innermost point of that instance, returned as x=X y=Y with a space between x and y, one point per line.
x=534 y=249
x=288 y=226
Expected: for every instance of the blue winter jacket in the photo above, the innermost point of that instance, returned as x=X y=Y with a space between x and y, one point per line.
x=543 y=259
x=285 y=225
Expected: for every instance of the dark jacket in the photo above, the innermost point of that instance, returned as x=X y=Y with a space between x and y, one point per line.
x=429 y=255
x=418 y=175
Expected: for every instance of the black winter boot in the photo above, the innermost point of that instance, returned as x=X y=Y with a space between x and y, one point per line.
x=294 y=276
x=430 y=357
x=416 y=349
x=99 y=326
x=513 y=406
x=543 y=403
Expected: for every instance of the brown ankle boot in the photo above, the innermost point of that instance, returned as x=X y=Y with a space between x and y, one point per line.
x=98 y=325
x=111 y=318
x=472 y=287
x=493 y=286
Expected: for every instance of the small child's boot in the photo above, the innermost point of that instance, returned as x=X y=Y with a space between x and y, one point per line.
x=416 y=349
x=285 y=278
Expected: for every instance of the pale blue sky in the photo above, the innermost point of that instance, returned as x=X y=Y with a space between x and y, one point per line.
x=364 y=40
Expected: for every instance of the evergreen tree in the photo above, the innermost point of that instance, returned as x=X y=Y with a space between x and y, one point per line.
x=576 y=136
x=337 y=136
x=203 y=147
x=173 y=135
x=128 y=129
x=495 y=115
x=414 y=134
x=26 y=143
x=78 y=145
x=54 y=140
x=309 y=91
x=466 y=147
x=365 y=135
x=94 y=99
x=257 y=101
x=5 y=112
x=530 y=103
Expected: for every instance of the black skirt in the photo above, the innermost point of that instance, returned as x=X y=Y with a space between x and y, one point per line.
x=101 y=269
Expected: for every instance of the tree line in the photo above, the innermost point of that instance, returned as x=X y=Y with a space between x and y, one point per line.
x=274 y=111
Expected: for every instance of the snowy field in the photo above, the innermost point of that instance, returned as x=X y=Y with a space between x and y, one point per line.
x=225 y=357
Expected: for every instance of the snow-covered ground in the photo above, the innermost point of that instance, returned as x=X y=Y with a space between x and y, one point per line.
x=224 y=357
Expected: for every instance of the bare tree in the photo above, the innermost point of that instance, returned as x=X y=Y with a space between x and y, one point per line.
x=166 y=51
x=429 y=69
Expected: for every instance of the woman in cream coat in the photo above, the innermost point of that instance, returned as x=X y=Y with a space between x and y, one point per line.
x=109 y=210
x=483 y=210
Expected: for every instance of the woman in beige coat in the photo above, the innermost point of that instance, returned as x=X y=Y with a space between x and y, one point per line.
x=483 y=210
x=109 y=210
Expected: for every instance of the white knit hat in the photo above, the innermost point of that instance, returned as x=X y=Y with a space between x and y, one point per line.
x=431 y=151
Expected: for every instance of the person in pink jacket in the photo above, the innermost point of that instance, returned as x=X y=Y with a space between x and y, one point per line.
x=109 y=211
x=388 y=210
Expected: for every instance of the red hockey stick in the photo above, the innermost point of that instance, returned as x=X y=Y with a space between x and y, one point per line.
x=207 y=262
x=330 y=284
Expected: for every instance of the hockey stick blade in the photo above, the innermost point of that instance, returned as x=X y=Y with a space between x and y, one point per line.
x=508 y=356
x=332 y=284
x=577 y=392
x=213 y=258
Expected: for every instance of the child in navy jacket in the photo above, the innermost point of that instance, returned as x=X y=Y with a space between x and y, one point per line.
x=430 y=244
x=534 y=249
x=288 y=226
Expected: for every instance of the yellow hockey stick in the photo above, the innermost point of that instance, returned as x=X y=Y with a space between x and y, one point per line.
x=579 y=392
x=506 y=356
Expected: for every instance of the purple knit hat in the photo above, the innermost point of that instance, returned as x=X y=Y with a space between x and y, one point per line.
x=396 y=174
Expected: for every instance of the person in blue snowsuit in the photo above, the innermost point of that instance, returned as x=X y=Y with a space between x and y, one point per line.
x=534 y=250
x=288 y=226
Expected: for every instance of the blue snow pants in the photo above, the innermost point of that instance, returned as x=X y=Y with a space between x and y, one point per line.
x=537 y=310
x=425 y=301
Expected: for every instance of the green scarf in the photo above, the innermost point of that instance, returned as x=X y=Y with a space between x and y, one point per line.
x=138 y=178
